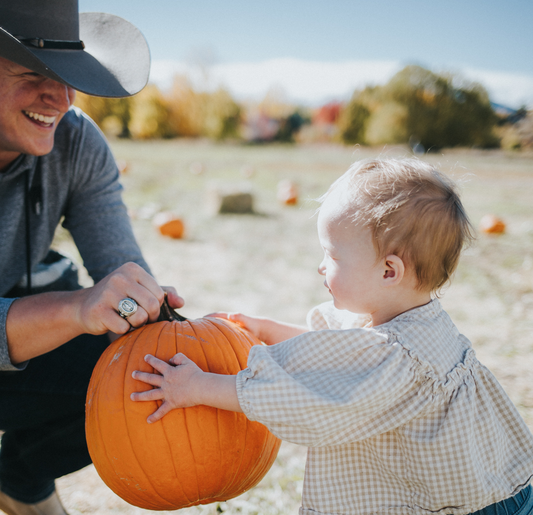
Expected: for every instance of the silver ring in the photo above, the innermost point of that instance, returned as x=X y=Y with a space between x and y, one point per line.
x=127 y=307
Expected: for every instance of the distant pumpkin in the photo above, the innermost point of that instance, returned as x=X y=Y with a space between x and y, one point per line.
x=168 y=224
x=192 y=456
x=491 y=224
x=287 y=192
x=122 y=166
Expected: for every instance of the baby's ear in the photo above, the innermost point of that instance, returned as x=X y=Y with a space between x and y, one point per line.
x=393 y=270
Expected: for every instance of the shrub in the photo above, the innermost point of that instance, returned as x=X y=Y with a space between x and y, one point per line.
x=353 y=120
x=112 y=115
x=417 y=104
x=150 y=115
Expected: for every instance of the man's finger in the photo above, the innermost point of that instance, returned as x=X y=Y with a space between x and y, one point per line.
x=175 y=301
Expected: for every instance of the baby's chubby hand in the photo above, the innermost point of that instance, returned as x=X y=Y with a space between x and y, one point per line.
x=256 y=325
x=175 y=384
x=265 y=329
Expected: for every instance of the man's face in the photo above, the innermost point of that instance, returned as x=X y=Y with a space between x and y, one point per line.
x=31 y=106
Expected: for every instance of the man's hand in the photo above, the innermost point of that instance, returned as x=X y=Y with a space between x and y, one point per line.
x=57 y=317
x=96 y=308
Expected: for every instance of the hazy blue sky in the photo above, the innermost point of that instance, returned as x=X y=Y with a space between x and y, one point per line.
x=456 y=35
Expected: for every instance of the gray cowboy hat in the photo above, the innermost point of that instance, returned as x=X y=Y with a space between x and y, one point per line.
x=96 y=53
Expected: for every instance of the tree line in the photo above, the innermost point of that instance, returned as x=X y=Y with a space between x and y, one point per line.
x=417 y=107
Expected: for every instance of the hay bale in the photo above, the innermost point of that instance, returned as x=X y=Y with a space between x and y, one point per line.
x=230 y=198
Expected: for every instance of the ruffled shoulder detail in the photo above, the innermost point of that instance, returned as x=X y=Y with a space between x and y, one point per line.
x=437 y=387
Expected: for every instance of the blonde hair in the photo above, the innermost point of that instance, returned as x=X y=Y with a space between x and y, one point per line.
x=413 y=211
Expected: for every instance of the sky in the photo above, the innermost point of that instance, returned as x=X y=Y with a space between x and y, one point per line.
x=314 y=51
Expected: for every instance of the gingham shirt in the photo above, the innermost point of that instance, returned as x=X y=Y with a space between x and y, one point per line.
x=399 y=419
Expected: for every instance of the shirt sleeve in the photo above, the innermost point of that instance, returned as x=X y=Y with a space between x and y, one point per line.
x=96 y=215
x=5 y=361
x=330 y=387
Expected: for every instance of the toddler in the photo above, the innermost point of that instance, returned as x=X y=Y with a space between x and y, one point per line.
x=399 y=415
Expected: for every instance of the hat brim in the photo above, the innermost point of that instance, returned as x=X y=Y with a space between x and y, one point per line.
x=115 y=62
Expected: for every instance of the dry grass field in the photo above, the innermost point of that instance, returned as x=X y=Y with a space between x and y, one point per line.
x=265 y=264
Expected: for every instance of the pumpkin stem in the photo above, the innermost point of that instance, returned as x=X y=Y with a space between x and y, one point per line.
x=167 y=314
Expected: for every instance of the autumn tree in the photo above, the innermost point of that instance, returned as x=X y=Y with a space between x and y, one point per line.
x=417 y=104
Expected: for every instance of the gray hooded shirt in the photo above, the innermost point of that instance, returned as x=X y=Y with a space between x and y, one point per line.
x=80 y=183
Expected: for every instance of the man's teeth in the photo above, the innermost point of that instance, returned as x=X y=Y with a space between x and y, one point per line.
x=40 y=117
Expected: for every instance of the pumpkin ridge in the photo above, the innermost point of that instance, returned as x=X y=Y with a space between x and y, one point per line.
x=123 y=411
x=214 y=330
x=222 y=329
x=244 y=343
x=238 y=472
x=220 y=443
x=236 y=420
x=186 y=423
x=207 y=326
x=260 y=473
x=131 y=437
x=96 y=416
x=230 y=487
x=235 y=355
x=192 y=454
x=98 y=413
x=175 y=326
x=199 y=338
x=230 y=484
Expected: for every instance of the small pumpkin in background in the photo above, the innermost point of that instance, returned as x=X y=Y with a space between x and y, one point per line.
x=491 y=224
x=287 y=193
x=168 y=224
x=122 y=166
x=192 y=456
x=197 y=168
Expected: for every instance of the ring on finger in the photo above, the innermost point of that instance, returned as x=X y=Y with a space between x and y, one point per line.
x=127 y=307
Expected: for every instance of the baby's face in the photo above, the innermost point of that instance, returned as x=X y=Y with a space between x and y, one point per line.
x=352 y=275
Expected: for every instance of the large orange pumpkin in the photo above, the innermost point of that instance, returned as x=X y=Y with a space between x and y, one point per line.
x=192 y=456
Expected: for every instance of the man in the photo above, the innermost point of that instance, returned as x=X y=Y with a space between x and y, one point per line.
x=55 y=165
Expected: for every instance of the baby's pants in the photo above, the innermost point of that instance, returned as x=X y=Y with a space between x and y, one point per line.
x=520 y=504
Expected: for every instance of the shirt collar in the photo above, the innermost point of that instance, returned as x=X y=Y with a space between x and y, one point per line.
x=17 y=167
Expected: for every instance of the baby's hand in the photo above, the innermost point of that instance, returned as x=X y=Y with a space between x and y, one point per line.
x=265 y=329
x=175 y=384
x=253 y=324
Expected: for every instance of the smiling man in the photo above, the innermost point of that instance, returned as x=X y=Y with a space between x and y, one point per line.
x=32 y=107
x=55 y=165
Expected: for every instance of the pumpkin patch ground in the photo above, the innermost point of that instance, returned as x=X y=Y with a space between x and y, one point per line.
x=265 y=264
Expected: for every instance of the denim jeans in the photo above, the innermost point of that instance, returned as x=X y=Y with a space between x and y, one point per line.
x=42 y=411
x=520 y=504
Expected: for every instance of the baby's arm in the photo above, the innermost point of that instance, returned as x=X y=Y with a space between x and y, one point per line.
x=265 y=329
x=181 y=384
